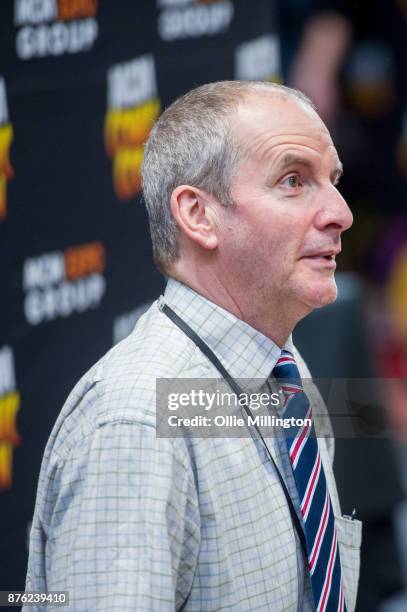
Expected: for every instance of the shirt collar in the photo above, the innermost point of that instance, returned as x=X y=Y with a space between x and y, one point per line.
x=245 y=352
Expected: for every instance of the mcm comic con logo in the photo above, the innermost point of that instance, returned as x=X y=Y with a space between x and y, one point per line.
x=63 y=283
x=133 y=106
x=54 y=27
x=6 y=138
x=180 y=19
x=259 y=59
x=9 y=406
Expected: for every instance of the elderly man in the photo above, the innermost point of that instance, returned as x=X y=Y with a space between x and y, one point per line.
x=239 y=181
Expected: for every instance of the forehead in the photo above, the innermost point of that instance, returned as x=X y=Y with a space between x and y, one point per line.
x=265 y=126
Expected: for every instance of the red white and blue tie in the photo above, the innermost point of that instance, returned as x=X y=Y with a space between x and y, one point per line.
x=315 y=503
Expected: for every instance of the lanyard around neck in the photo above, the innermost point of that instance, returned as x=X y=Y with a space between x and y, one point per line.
x=188 y=331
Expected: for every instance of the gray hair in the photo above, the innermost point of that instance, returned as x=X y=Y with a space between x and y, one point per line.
x=192 y=143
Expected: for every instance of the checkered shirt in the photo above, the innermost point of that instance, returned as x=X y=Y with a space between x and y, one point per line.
x=126 y=520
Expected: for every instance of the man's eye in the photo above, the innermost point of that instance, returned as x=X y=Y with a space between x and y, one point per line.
x=293 y=181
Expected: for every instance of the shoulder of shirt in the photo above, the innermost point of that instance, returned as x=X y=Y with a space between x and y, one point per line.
x=121 y=387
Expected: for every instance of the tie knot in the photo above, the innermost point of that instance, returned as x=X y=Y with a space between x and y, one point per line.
x=286 y=369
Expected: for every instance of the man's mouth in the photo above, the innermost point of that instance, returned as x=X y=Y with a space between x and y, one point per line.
x=326 y=254
x=327 y=257
x=323 y=258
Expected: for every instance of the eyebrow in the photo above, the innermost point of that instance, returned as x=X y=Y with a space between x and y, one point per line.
x=291 y=159
x=337 y=172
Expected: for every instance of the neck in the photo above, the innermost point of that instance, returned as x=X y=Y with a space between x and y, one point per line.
x=267 y=316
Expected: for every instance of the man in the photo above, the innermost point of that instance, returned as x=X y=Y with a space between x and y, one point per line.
x=239 y=180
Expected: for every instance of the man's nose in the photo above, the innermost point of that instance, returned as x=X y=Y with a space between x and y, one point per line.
x=334 y=211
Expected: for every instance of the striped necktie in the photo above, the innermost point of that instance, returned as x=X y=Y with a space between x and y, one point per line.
x=315 y=503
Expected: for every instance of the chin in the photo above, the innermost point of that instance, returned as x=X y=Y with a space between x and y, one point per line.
x=322 y=295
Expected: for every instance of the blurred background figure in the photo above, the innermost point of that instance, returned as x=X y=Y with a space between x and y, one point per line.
x=351 y=63
x=350 y=60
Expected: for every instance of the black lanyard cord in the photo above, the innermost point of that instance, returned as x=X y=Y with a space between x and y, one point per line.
x=188 y=331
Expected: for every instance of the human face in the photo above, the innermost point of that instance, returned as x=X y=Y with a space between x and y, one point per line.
x=280 y=241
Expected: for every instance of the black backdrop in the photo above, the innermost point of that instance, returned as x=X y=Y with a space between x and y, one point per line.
x=80 y=82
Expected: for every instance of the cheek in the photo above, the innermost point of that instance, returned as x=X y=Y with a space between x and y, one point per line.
x=267 y=242
x=280 y=248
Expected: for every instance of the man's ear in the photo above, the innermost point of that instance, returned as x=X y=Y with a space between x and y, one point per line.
x=195 y=216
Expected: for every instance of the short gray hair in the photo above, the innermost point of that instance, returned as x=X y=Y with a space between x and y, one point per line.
x=192 y=143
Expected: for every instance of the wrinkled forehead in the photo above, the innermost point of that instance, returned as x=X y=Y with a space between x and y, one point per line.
x=263 y=121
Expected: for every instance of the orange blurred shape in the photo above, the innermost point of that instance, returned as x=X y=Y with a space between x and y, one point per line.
x=126 y=172
x=372 y=99
x=9 y=405
x=129 y=127
x=3 y=197
x=75 y=9
x=83 y=260
x=6 y=138
x=6 y=465
x=396 y=291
